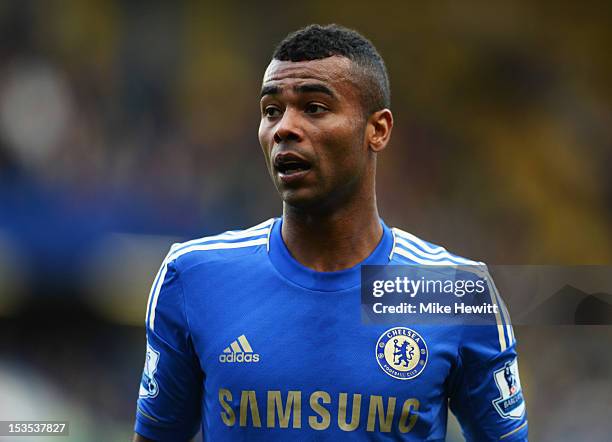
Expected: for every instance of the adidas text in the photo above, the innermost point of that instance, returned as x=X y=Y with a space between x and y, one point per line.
x=239 y=357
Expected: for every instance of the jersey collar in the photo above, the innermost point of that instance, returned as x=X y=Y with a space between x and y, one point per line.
x=310 y=279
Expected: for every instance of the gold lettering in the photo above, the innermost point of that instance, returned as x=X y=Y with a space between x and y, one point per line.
x=356 y=411
x=385 y=419
x=228 y=416
x=409 y=405
x=275 y=404
x=313 y=421
x=249 y=399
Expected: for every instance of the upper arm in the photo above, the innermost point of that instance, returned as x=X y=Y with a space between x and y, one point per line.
x=486 y=394
x=169 y=402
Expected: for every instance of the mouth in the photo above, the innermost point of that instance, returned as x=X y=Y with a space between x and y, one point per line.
x=290 y=165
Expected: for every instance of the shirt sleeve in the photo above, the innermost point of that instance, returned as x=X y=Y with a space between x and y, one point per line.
x=169 y=402
x=486 y=395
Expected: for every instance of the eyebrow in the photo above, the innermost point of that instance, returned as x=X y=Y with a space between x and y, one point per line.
x=269 y=90
x=303 y=88
x=314 y=87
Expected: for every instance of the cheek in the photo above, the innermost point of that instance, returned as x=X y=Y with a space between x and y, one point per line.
x=262 y=134
x=343 y=156
x=347 y=142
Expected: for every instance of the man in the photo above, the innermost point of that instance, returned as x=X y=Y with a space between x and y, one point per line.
x=256 y=334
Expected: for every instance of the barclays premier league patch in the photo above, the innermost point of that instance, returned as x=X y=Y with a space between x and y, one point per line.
x=148 y=384
x=401 y=353
x=510 y=404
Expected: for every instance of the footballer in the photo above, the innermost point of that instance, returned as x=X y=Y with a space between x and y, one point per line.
x=255 y=334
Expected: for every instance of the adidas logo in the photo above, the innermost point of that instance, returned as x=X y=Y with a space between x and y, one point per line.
x=239 y=351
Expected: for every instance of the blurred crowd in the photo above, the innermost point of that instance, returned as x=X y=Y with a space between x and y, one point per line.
x=140 y=119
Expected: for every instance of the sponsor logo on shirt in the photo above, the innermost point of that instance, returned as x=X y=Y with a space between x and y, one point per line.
x=401 y=353
x=320 y=410
x=510 y=404
x=239 y=351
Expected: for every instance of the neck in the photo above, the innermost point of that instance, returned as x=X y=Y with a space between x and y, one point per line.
x=332 y=241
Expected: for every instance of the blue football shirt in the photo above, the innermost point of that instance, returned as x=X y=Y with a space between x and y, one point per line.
x=246 y=343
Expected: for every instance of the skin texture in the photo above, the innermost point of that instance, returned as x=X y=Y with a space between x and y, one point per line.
x=330 y=215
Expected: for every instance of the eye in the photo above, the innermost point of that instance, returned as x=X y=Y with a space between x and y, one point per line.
x=315 y=108
x=271 y=111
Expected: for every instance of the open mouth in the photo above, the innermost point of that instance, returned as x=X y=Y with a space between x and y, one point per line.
x=290 y=164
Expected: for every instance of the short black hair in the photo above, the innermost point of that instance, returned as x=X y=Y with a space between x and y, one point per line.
x=315 y=42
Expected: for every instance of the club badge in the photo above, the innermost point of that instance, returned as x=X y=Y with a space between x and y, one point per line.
x=401 y=353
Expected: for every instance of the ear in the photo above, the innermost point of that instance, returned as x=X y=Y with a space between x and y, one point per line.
x=378 y=131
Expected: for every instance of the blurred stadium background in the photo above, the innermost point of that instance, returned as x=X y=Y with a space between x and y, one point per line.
x=126 y=126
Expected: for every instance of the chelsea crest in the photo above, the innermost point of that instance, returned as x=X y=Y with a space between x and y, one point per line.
x=401 y=353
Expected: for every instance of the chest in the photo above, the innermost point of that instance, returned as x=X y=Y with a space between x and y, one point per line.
x=265 y=334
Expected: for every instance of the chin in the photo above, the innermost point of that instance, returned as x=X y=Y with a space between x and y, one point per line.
x=300 y=199
x=309 y=204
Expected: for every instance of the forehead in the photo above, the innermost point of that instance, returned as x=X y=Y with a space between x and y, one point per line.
x=334 y=71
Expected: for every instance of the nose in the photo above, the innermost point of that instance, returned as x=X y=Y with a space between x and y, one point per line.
x=288 y=128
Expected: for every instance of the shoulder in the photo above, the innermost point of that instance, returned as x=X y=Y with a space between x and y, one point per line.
x=224 y=246
x=410 y=249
